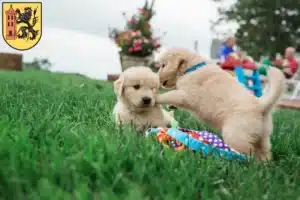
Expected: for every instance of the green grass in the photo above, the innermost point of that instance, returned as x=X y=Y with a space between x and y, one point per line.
x=58 y=141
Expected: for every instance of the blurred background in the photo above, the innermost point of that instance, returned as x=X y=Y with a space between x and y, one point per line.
x=75 y=34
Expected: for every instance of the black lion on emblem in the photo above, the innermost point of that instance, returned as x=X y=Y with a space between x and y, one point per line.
x=27 y=31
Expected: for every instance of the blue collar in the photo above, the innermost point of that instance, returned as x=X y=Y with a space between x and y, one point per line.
x=193 y=68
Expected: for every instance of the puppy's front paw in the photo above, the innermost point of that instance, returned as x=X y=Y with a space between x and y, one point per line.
x=157 y=99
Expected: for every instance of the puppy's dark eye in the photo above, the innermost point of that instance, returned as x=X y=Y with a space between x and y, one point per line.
x=163 y=65
x=136 y=87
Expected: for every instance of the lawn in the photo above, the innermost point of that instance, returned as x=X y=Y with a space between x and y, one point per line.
x=58 y=141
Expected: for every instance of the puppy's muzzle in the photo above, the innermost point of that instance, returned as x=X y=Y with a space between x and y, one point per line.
x=146 y=101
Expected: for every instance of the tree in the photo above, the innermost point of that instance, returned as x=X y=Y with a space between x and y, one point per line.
x=265 y=26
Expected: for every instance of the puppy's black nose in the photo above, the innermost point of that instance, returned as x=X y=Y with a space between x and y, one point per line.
x=146 y=100
x=165 y=83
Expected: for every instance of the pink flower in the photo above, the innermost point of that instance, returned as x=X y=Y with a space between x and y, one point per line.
x=130 y=50
x=156 y=44
x=137 y=42
x=138 y=32
x=137 y=48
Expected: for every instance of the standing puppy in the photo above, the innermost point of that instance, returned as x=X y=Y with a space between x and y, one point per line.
x=136 y=89
x=216 y=97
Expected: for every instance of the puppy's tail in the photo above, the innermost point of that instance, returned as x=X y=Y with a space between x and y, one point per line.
x=276 y=81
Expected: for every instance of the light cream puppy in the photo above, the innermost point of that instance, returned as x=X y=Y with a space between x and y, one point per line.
x=136 y=89
x=216 y=97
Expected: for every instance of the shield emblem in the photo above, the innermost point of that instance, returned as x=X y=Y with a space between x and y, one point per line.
x=22 y=24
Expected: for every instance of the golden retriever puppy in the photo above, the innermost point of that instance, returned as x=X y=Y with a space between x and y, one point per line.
x=216 y=97
x=136 y=89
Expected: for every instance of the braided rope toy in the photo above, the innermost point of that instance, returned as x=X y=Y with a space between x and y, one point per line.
x=199 y=141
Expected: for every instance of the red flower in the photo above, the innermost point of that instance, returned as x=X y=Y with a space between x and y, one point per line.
x=137 y=42
x=130 y=50
x=137 y=48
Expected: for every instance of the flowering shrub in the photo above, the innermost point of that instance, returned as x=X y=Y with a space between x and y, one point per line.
x=136 y=39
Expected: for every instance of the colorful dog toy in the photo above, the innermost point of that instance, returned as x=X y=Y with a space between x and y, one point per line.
x=199 y=141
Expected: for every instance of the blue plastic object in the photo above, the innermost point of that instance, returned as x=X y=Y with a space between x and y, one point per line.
x=241 y=76
x=255 y=78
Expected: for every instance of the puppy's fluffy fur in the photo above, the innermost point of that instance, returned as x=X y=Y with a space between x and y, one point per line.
x=216 y=97
x=136 y=89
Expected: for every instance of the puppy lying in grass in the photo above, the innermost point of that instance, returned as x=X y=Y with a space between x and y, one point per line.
x=216 y=97
x=136 y=89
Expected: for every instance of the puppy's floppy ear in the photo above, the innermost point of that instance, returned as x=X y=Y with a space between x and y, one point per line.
x=118 y=86
x=182 y=65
